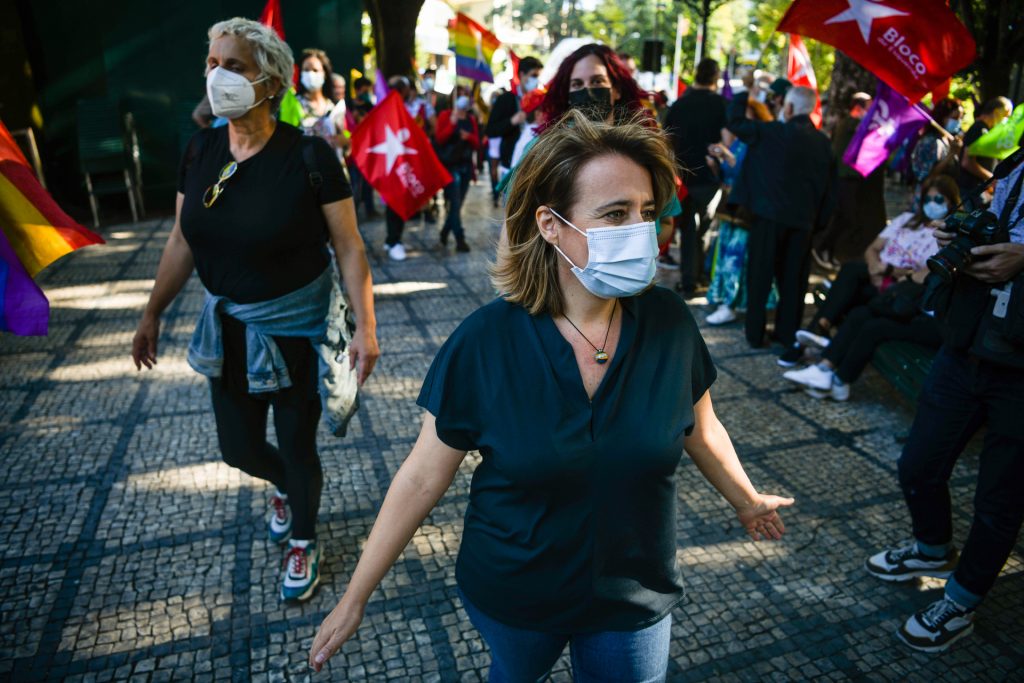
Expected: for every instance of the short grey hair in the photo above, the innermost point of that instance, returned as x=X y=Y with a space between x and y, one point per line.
x=273 y=56
x=803 y=99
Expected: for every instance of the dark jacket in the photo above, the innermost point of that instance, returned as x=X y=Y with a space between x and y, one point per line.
x=499 y=125
x=452 y=150
x=789 y=174
x=693 y=122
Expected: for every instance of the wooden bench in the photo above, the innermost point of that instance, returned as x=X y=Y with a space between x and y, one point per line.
x=905 y=365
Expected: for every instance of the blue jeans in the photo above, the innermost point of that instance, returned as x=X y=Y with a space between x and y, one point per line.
x=524 y=656
x=455 y=194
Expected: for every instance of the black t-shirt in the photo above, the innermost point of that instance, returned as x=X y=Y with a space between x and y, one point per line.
x=265 y=236
x=570 y=526
x=695 y=121
x=968 y=179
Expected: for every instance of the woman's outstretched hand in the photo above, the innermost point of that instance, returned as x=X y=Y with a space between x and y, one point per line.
x=761 y=518
x=338 y=627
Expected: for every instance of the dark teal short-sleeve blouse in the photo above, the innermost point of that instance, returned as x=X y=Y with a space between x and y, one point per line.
x=570 y=526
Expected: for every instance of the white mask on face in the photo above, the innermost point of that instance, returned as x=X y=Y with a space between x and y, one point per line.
x=621 y=261
x=530 y=84
x=312 y=80
x=231 y=94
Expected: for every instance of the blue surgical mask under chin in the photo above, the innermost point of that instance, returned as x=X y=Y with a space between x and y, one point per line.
x=621 y=262
x=953 y=126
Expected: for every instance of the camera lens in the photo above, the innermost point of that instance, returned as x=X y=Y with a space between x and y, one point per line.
x=942 y=267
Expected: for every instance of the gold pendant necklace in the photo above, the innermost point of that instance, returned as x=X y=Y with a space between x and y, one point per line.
x=600 y=355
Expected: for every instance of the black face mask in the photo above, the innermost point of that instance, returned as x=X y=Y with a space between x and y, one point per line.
x=595 y=102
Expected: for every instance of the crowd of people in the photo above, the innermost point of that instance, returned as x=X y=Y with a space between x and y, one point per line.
x=564 y=542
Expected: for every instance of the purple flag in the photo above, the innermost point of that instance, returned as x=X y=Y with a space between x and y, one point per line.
x=380 y=87
x=888 y=123
x=24 y=309
x=726 y=85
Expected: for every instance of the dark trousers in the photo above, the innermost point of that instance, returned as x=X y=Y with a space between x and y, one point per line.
x=695 y=222
x=294 y=466
x=960 y=395
x=863 y=331
x=455 y=194
x=779 y=251
x=395 y=226
x=362 y=191
x=851 y=288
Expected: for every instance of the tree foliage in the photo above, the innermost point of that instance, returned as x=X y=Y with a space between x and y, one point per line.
x=998 y=30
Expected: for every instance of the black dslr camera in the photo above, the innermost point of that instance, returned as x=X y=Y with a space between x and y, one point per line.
x=973 y=229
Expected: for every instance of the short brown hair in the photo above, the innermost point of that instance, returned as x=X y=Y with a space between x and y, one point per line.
x=526 y=271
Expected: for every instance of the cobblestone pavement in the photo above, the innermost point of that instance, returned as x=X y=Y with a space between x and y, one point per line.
x=131 y=552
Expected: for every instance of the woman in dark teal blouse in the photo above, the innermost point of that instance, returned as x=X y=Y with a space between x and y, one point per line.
x=580 y=387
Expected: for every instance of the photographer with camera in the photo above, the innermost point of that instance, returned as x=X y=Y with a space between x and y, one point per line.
x=977 y=379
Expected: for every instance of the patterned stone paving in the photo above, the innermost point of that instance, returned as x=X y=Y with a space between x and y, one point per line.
x=130 y=552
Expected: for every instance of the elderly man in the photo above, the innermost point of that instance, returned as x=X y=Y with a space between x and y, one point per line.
x=787 y=181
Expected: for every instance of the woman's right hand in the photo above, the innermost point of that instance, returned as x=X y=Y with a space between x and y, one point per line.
x=144 y=342
x=337 y=628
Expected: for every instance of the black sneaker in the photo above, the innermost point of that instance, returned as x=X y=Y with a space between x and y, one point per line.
x=790 y=357
x=906 y=563
x=937 y=626
x=461 y=246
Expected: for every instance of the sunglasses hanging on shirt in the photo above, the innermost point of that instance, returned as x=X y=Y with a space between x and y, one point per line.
x=214 y=191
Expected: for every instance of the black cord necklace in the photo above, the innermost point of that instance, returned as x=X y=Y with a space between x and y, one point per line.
x=600 y=355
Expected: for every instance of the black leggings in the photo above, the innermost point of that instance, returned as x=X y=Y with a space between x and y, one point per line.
x=294 y=467
x=851 y=288
x=863 y=331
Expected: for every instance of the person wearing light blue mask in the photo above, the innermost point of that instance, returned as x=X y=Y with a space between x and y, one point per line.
x=580 y=385
x=938 y=152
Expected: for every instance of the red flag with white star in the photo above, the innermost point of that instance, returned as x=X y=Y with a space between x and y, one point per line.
x=912 y=45
x=800 y=72
x=396 y=157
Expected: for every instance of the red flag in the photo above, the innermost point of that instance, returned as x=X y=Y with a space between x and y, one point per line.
x=396 y=157
x=801 y=72
x=514 y=59
x=940 y=93
x=271 y=16
x=680 y=87
x=912 y=45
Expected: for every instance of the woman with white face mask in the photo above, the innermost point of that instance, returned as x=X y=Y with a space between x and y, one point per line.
x=255 y=229
x=877 y=300
x=323 y=110
x=580 y=387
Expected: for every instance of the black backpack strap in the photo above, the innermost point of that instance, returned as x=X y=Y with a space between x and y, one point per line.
x=316 y=179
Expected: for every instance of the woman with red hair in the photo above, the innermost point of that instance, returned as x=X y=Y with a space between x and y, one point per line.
x=595 y=80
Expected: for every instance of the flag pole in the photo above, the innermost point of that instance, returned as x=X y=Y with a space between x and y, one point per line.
x=679 y=50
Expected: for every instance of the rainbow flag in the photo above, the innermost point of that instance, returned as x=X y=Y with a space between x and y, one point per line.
x=34 y=232
x=474 y=47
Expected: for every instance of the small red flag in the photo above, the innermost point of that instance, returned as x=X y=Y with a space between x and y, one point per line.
x=514 y=59
x=912 y=45
x=272 y=17
x=800 y=72
x=396 y=157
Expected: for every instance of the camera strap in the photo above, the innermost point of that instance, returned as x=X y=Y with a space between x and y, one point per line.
x=1011 y=203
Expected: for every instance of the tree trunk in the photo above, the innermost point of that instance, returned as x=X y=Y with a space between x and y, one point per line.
x=394 y=34
x=848 y=77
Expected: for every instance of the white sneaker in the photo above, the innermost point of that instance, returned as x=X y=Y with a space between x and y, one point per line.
x=396 y=252
x=808 y=338
x=722 y=315
x=837 y=392
x=812 y=376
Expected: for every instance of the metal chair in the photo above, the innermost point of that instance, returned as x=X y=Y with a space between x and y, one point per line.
x=108 y=149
